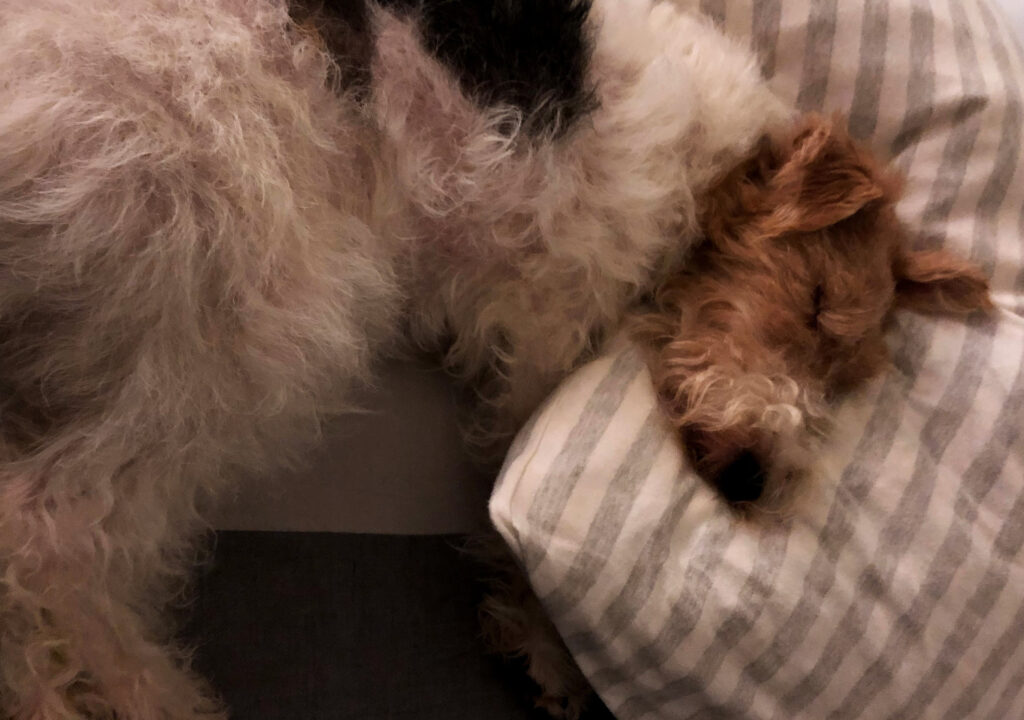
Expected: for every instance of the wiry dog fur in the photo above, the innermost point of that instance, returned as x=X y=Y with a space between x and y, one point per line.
x=188 y=272
x=206 y=236
x=524 y=252
x=784 y=305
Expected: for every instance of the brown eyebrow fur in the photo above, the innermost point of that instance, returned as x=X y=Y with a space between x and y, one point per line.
x=784 y=305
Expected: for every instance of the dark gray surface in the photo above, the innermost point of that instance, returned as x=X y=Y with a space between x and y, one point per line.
x=318 y=626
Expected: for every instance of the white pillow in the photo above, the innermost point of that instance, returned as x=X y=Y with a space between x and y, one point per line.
x=897 y=590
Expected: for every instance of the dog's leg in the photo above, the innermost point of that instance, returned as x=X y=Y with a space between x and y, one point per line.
x=99 y=486
x=516 y=625
x=98 y=507
x=98 y=516
x=94 y=534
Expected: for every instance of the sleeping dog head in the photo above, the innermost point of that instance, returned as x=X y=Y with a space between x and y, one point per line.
x=784 y=306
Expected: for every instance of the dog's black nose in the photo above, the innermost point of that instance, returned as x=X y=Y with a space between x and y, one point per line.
x=742 y=480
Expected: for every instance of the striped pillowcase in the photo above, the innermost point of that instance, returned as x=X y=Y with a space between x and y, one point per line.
x=897 y=590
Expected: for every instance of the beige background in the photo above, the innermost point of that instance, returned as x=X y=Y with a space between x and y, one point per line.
x=398 y=469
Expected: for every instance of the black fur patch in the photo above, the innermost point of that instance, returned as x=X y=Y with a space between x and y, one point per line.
x=530 y=54
x=344 y=28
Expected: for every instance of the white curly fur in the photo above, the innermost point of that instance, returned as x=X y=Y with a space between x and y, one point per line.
x=544 y=245
x=717 y=396
x=203 y=244
x=187 y=270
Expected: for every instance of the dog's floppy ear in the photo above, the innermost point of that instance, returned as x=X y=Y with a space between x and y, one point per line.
x=823 y=178
x=938 y=281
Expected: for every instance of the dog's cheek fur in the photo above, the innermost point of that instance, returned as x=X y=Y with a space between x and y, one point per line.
x=747 y=411
x=187 y=267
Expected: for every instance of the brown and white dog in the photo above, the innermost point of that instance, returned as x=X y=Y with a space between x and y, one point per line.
x=784 y=305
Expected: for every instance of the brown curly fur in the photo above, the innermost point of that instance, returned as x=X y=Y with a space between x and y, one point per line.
x=784 y=305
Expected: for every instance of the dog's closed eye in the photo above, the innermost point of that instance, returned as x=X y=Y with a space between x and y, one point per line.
x=817 y=298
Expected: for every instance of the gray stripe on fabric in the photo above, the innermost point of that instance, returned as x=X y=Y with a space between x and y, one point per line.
x=523 y=437
x=977 y=481
x=766 y=23
x=957 y=153
x=1007 y=155
x=516 y=449
x=1011 y=692
x=995 y=661
x=1015 y=39
x=944 y=113
x=606 y=527
x=698 y=579
x=940 y=428
x=644 y=575
x=749 y=605
x=880 y=431
x=1009 y=541
x=920 y=84
x=957 y=542
x=714 y=9
x=560 y=480
x=856 y=482
x=821 y=33
x=871 y=69
x=1012 y=77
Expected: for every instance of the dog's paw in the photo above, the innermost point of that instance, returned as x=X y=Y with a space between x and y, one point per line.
x=564 y=691
x=562 y=707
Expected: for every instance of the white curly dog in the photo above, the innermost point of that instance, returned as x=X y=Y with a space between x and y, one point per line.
x=206 y=238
